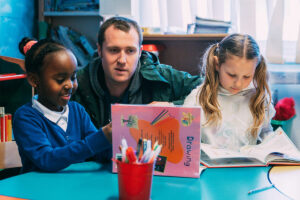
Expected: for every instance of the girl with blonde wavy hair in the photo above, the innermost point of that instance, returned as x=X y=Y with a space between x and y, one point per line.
x=235 y=96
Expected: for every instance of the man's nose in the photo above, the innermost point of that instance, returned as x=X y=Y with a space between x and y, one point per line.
x=122 y=58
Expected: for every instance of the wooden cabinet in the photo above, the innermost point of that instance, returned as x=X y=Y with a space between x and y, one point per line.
x=183 y=52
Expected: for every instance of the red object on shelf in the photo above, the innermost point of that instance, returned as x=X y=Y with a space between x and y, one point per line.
x=154 y=48
x=5 y=77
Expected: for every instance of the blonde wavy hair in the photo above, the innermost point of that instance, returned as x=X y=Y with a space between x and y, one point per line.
x=243 y=46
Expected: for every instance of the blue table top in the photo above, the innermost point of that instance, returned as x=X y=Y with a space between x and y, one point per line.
x=91 y=180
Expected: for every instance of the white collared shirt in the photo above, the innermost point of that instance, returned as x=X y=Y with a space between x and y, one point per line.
x=59 y=118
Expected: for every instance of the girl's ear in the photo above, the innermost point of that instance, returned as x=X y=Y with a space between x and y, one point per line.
x=33 y=79
x=216 y=63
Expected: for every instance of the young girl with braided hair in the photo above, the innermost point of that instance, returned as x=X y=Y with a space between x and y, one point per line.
x=52 y=132
x=235 y=96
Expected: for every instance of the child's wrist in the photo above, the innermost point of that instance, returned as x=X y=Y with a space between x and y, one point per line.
x=107 y=132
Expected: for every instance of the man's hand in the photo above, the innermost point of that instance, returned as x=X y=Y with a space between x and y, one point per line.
x=161 y=103
x=107 y=132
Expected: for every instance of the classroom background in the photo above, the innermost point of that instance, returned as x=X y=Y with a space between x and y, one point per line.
x=171 y=27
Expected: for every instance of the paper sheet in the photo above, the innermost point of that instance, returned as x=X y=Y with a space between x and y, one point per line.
x=287 y=180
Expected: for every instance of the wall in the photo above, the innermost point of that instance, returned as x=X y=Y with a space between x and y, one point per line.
x=17 y=19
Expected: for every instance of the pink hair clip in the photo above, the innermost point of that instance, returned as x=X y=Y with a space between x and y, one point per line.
x=28 y=46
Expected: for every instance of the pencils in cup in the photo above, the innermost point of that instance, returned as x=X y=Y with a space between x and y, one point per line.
x=144 y=153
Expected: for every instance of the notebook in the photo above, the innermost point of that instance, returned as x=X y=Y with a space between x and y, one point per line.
x=176 y=128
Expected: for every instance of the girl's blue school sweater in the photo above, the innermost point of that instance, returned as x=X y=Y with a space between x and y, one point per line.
x=44 y=146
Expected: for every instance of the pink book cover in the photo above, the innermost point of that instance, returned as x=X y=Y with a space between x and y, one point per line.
x=176 y=128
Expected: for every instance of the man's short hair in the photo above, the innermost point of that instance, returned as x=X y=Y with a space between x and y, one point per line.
x=121 y=23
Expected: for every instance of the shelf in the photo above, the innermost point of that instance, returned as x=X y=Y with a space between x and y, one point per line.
x=15 y=89
x=6 y=77
x=181 y=37
x=18 y=61
x=71 y=13
x=183 y=51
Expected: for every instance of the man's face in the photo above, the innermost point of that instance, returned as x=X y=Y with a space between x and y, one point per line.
x=120 y=54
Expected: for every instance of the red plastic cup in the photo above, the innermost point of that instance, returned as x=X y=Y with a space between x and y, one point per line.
x=135 y=180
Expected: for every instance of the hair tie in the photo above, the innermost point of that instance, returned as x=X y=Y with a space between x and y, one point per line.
x=217 y=48
x=28 y=46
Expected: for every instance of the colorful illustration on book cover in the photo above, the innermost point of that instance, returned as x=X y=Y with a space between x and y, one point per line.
x=163 y=128
x=160 y=164
x=132 y=121
x=177 y=129
x=187 y=119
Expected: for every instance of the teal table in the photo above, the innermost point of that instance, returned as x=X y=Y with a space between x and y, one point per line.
x=91 y=180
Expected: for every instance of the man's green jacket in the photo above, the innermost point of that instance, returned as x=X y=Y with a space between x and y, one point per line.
x=152 y=81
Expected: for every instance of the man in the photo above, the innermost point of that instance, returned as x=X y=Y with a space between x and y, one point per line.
x=123 y=73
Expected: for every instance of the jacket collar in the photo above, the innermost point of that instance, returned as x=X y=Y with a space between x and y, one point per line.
x=94 y=70
x=150 y=69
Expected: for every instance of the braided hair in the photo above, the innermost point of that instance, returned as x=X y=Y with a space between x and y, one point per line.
x=36 y=52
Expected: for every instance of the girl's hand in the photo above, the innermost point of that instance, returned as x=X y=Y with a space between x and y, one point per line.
x=107 y=132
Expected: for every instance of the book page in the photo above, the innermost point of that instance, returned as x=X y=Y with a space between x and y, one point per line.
x=215 y=153
x=229 y=161
x=280 y=158
x=276 y=143
x=222 y=153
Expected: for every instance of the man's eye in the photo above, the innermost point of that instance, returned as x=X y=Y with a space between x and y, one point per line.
x=113 y=50
x=131 y=51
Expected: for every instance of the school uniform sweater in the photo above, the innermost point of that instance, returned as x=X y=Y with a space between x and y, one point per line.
x=234 y=130
x=44 y=146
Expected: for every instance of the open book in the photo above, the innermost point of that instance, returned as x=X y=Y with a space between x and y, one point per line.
x=176 y=128
x=276 y=149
